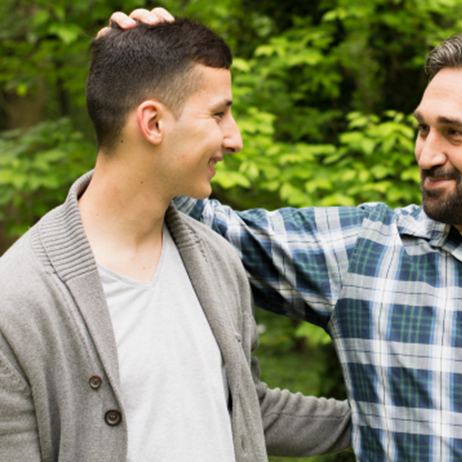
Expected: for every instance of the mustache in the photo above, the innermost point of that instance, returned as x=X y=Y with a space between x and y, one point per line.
x=440 y=173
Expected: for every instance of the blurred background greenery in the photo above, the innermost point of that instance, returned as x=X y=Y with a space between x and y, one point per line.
x=323 y=91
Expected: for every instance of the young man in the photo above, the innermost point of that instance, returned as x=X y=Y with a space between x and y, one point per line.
x=386 y=284
x=126 y=327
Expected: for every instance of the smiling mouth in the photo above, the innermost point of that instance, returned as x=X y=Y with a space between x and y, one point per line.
x=437 y=182
x=214 y=161
x=437 y=178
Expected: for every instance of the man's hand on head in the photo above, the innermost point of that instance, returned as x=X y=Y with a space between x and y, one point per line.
x=148 y=17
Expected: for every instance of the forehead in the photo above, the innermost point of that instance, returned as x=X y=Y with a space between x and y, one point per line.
x=443 y=95
x=214 y=85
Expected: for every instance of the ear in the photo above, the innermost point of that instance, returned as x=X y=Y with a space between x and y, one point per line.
x=149 y=115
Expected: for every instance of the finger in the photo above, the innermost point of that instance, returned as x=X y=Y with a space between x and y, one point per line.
x=103 y=31
x=122 y=20
x=163 y=13
x=145 y=16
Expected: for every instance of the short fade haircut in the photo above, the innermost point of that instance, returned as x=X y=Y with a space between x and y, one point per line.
x=148 y=61
x=448 y=54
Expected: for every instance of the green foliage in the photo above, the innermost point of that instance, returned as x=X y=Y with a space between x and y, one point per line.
x=308 y=81
x=373 y=161
x=313 y=334
x=37 y=166
x=307 y=96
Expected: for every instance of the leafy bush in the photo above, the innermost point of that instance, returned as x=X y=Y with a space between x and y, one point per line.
x=37 y=166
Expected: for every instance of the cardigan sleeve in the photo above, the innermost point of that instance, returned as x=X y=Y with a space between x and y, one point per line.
x=300 y=426
x=18 y=425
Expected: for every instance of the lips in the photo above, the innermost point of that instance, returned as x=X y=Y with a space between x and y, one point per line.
x=438 y=177
x=436 y=182
x=214 y=160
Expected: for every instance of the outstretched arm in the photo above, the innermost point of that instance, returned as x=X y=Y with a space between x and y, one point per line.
x=297 y=259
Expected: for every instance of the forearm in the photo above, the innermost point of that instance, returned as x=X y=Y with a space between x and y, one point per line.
x=296 y=425
x=301 y=426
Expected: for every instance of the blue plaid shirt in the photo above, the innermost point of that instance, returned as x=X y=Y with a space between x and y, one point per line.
x=387 y=286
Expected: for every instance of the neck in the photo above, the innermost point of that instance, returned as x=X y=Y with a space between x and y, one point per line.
x=123 y=217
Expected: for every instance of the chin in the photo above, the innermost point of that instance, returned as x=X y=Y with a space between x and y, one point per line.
x=447 y=210
x=200 y=194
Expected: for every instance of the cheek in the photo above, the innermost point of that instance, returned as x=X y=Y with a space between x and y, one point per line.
x=205 y=138
x=456 y=160
x=216 y=137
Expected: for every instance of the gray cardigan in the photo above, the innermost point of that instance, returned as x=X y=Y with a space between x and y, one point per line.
x=56 y=333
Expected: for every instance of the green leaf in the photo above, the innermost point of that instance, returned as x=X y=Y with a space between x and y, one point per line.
x=241 y=65
x=68 y=33
x=22 y=89
x=380 y=171
x=41 y=17
x=314 y=334
x=367 y=146
x=228 y=179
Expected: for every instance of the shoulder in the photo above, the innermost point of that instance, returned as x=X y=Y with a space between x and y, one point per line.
x=216 y=245
x=25 y=282
x=379 y=211
x=215 y=260
x=19 y=260
x=382 y=209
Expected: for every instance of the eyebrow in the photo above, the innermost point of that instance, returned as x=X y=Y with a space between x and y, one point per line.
x=449 y=120
x=222 y=104
x=440 y=119
x=417 y=115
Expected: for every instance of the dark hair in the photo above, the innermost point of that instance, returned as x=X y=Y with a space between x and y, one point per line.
x=448 y=54
x=147 y=61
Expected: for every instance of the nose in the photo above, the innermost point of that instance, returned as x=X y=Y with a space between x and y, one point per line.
x=232 y=139
x=430 y=151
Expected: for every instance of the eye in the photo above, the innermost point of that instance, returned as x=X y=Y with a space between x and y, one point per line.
x=454 y=132
x=220 y=115
x=422 y=130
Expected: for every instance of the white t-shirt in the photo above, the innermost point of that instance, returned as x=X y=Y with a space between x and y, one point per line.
x=173 y=384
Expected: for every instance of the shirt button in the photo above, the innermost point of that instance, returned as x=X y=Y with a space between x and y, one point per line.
x=95 y=382
x=113 y=417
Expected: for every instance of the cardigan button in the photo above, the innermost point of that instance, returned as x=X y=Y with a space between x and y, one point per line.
x=95 y=382
x=113 y=417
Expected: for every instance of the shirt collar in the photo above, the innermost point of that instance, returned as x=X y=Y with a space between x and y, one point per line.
x=413 y=221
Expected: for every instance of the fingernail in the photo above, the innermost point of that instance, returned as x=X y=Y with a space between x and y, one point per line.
x=151 y=19
x=167 y=17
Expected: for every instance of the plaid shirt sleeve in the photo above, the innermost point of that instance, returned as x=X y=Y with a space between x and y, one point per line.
x=296 y=259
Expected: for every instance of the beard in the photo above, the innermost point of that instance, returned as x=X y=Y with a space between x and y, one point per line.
x=439 y=204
